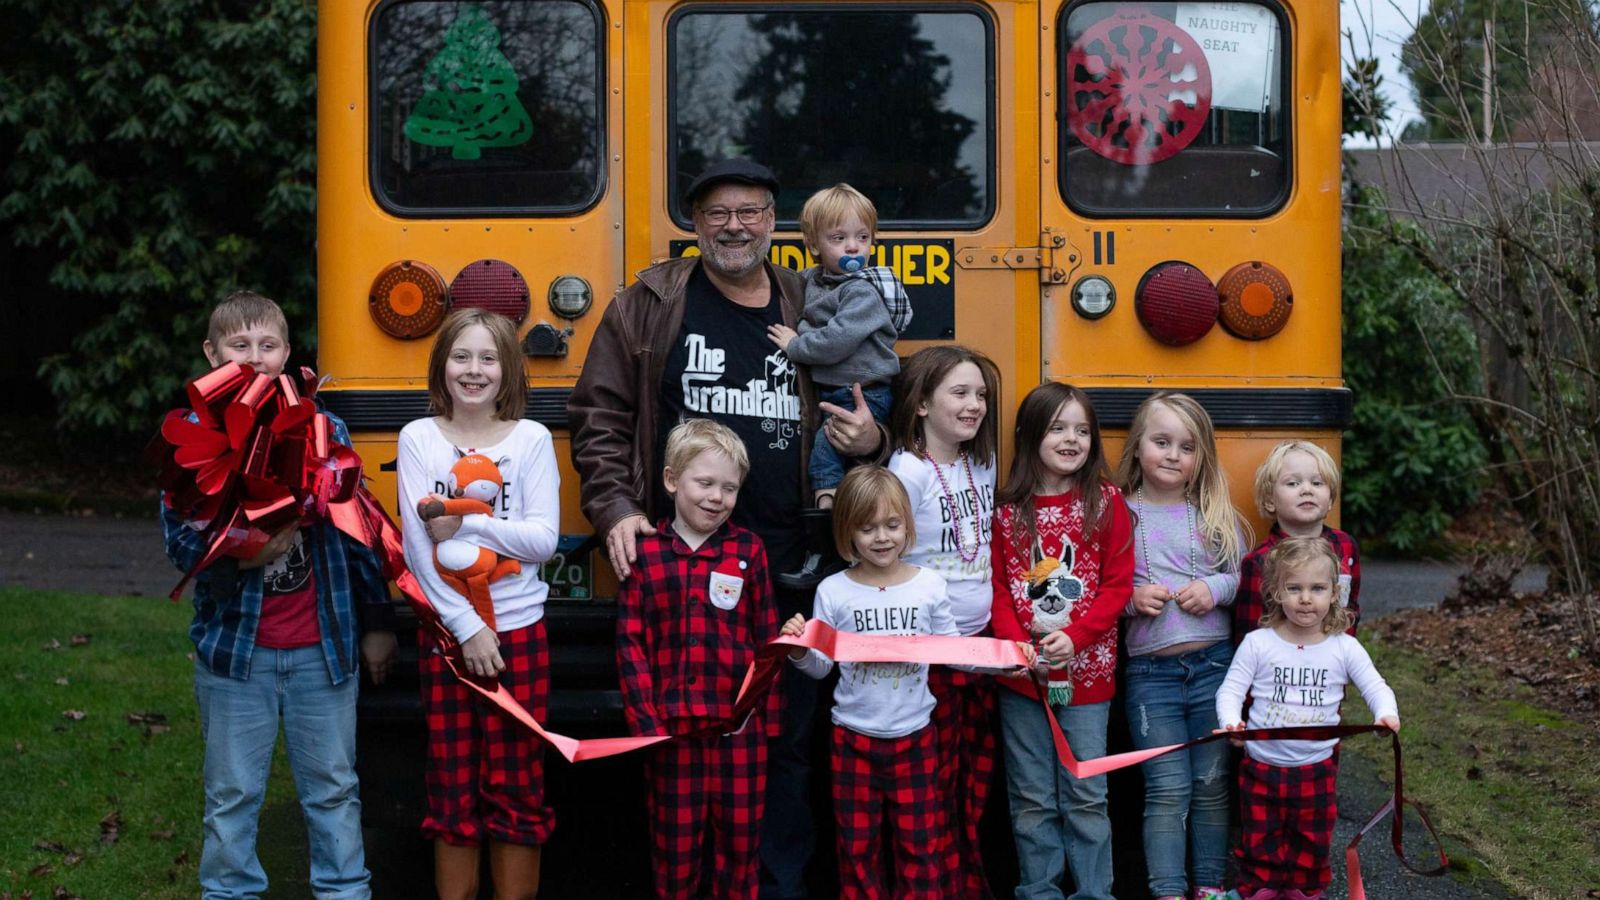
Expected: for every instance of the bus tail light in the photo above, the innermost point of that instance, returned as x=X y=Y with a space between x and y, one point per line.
x=1176 y=303
x=408 y=299
x=492 y=285
x=1255 y=300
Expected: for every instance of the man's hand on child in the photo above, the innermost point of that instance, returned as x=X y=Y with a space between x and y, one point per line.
x=1148 y=599
x=481 y=652
x=1057 y=649
x=378 y=651
x=852 y=432
x=276 y=546
x=1195 y=598
x=781 y=335
x=622 y=543
x=795 y=627
x=1390 y=722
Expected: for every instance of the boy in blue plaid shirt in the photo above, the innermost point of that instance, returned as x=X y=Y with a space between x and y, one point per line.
x=853 y=315
x=275 y=637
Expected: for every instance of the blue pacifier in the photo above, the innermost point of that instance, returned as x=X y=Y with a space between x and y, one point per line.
x=852 y=263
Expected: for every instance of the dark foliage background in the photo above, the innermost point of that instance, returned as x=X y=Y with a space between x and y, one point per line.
x=156 y=155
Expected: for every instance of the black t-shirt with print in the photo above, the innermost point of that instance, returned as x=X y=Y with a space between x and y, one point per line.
x=723 y=366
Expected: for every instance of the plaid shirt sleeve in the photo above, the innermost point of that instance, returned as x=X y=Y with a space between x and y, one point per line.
x=1249 y=603
x=763 y=622
x=636 y=631
x=1349 y=564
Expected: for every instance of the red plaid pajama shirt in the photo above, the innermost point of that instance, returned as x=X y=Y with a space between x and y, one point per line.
x=1288 y=815
x=485 y=773
x=964 y=715
x=1249 y=603
x=890 y=784
x=682 y=656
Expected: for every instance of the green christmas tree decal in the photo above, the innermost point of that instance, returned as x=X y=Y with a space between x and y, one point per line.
x=471 y=93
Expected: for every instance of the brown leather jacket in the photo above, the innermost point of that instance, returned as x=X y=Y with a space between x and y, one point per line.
x=612 y=412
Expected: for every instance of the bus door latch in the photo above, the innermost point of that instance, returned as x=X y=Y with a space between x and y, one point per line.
x=1054 y=258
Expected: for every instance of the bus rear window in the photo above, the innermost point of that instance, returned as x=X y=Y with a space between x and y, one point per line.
x=488 y=108
x=1173 y=109
x=896 y=101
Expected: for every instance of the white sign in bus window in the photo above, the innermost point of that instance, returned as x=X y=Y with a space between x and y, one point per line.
x=1240 y=41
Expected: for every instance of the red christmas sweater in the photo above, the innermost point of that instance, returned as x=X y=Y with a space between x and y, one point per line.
x=1103 y=561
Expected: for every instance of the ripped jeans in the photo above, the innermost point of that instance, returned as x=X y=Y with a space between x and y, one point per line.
x=1170 y=700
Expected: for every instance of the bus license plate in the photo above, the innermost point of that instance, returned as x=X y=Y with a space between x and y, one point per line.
x=570 y=575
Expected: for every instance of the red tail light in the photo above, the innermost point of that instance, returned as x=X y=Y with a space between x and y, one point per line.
x=1176 y=303
x=493 y=285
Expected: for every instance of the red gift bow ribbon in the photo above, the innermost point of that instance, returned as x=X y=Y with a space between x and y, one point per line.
x=251 y=456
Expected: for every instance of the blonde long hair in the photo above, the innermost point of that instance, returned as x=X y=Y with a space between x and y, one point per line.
x=1225 y=532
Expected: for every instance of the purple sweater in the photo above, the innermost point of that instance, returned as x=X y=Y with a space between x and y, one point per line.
x=1165 y=531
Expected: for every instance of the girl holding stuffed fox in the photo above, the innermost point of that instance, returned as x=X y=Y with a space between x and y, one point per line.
x=1063 y=570
x=479 y=507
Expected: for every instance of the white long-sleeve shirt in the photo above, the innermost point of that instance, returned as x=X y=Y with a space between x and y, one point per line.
x=526 y=525
x=950 y=524
x=1298 y=684
x=885 y=700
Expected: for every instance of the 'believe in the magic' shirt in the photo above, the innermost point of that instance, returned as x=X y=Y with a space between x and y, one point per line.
x=724 y=367
x=881 y=699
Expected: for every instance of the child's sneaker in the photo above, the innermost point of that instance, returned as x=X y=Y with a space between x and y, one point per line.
x=1214 y=893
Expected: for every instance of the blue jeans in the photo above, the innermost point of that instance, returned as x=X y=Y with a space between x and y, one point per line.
x=827 y=468
x=1056 y=818
x=239 y=723
x=1171 y=700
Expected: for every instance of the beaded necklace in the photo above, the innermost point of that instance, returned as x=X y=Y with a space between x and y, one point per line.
x=955 y=515
x=1144 y=539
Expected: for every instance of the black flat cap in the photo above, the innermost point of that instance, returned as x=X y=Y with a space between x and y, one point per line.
x=740 y=171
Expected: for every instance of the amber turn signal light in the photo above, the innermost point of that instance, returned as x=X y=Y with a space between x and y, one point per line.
x=408 y=299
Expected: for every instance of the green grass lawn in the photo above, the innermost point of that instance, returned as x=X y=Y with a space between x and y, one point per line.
x=1515 y=783
x=71 y=784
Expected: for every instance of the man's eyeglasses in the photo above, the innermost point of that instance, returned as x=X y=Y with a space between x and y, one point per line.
x=748 y=215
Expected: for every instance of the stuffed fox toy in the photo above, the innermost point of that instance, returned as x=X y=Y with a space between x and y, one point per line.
x=475 y=483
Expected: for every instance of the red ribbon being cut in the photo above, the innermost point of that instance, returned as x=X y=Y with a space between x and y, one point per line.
x=253 y=456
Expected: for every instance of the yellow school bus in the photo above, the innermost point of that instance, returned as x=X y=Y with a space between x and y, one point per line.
x=1123 y=194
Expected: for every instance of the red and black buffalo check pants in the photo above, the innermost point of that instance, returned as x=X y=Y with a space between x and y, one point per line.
x=485 y=773
x=965 y=716
x=1288 y=816
x=890 y=784
x=707 y=793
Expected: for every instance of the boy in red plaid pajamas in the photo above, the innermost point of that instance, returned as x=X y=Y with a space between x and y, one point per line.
x=1296 y=487
x=1296 y=667
x=690 y=618
x=885 y=746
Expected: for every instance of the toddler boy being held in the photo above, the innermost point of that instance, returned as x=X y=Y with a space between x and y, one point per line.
x=690 y=618
x=1296 y=486
x=853 y=314
x=275 y=637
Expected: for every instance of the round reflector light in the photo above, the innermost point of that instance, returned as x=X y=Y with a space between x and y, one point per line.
x=1176 y=303
x=1255 y=300
x=408 y=299
x=493 y=285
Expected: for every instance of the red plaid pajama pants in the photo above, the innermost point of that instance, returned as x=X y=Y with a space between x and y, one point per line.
x=1288 y=815
x=485 y=773
x=891 y=783
x=707 y=792
x=965 y=717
